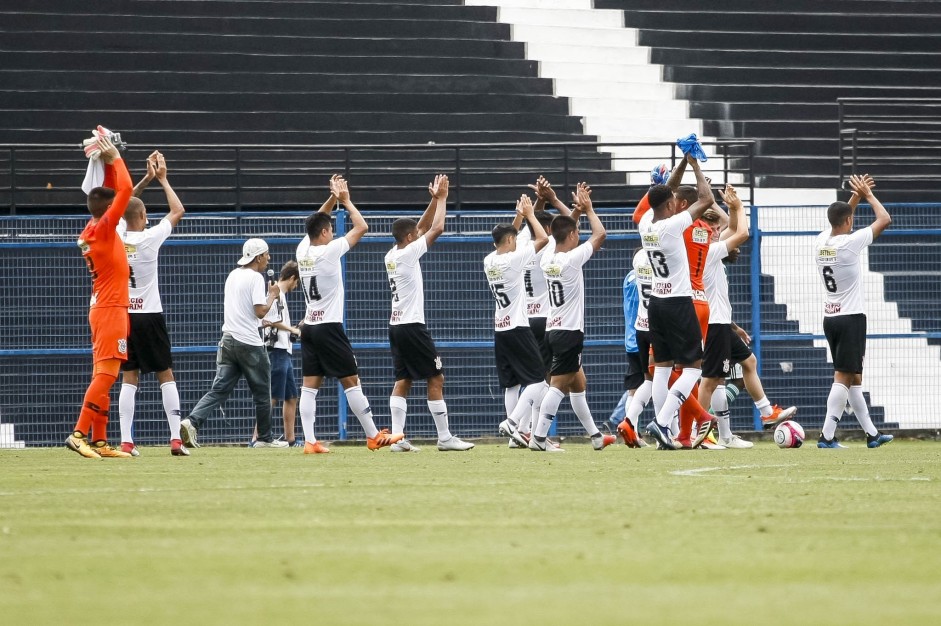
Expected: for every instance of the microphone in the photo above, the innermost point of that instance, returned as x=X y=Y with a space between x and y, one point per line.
x=270 y=273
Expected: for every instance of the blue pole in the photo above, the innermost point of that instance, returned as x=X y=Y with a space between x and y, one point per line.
x=340 y=230
x=756 y=298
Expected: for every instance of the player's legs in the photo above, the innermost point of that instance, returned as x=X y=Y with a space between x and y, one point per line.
x=170 y=397
x=127 y=404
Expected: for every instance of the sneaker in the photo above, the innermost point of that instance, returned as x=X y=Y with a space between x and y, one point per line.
x=543 y=446
x=106 y=451
x=711 y=445
x=829 y=443
x=661 y=434
x=80 y=444
x=874 y=441
x=315 y=448
x=177 y=448
x=517 y=445
x=130 y=448
x=705 y=428
x=736 y=443
x=600 y=442
x=404 y=445
x=778 y=415
x=628 y=434
x=507 y=429
x=454 y=444
x=188 y=433
x=382 y=439
x=640 y=442
x=297 y=443
x=277 y=443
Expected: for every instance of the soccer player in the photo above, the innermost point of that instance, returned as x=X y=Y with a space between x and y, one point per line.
x=149 y=342
x=565 y=329
x=104 y=255
x=413 y=352
x=325 y=348
x=674 y=328
x=241 y=349
x=519 y=363
x=837 y=252
x=638 y=381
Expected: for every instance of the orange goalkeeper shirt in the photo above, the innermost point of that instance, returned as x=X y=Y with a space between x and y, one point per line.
x=104 y=251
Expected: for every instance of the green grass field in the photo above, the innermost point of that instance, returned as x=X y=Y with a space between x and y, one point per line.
x=493 y=536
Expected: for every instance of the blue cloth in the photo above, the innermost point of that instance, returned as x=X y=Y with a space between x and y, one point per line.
x=630 y=312
x=660 y=174
x=690 y=145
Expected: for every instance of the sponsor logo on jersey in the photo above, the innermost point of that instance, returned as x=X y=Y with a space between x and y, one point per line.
x=137 y=304
x=396 y=317
x=494 y=273
x=501 y=322
x=552 y=270
x=699 y=294
x=131 y=251
x=533 y=308
x=84 y=247
x=663 y=289
x=314 y=317
x=826 y=255
x=645 y=273
x=701 y=235
x=650 y=240
x=390 y=266
x=555 y=321
x=831 y=308
x=306 y=264
x=642 y=324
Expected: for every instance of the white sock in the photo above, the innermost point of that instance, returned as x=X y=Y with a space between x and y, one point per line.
x=675 y=425
x=547 y=410
x=638 y=401
x=439 y=412
x=661 y=387
x=532 y=396
x=677 y=395
x=764 y=406
x=171 y=406
x=360 y=407
x=836 y=402
x=398 y=406
x=308 y=409
x=861 y=409
x=511 y=396
x=583 y=413
x=720 y=408
x=126 y=403
x=529 y=418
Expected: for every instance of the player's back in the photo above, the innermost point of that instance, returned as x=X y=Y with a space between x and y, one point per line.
x=696 y=239
x=838 y=263
x=104 y=255
x=663 y=241
x=322 y=280
x=405 y=281
x=142 y=248
x=505 y=276
x=566 y=283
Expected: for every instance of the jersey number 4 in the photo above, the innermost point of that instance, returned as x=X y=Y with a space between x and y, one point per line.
x=312 y=292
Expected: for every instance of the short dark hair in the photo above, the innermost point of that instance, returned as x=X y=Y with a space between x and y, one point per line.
x=289 y=270
x=562 y=226
x=99 y=199
x=659 y=195
x=316 y=223
x=685 y=192
x=402 y=227
x=838 y=212
x=501 y=231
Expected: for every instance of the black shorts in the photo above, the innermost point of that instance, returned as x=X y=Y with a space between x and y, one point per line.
x=326 y=351
x=846 y=335
x=643 y=351
x=634 y=377
x=538 y=326
x=148 y=344
x=566 y=346
x=674 y=330
x=518 y=358
x=723 y=349
x=414 y=355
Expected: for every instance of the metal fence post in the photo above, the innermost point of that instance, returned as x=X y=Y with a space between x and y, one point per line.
x=756 y=296
x=238 y=180
x=342 y=406
x=12 y=181
x=457 y=178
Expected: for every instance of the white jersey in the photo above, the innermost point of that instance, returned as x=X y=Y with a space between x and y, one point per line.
x=279 y=313
x=716 y=283
x=537 y=294
x=505 y=275
x=566 y=285
x=644 y=277
x=666 y=249
x=142 y=248
x=244 y=288
x=405 y=281
x=322 y=280
x=839 y=267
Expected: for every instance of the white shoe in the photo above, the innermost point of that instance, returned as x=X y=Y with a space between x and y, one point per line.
x=270 y=444
x=188 y=433
x=736 y=443
x=403 y=445
x=454 y=444
x=507 y=429
x=544 y=446
x=708 y=445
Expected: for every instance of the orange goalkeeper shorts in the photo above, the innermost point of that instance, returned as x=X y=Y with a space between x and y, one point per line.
x=702 y=314
x=110 y=326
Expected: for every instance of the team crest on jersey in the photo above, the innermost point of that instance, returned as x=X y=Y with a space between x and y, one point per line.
x=701 y=235
x=826 y=255
x=122 y=346
x=553 y=270
x=650 y=240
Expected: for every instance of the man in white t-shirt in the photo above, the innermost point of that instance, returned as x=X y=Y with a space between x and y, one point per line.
x=241 y=349
x=148 y=344
x=414 y=354
x=837 y=251
x=325 y=348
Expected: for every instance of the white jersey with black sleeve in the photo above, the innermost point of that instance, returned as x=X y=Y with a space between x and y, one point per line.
x=142 y=248
x=505 y=276
x=279 y=313
x=566 y=284
x=405 y=281
x=839 y=267
x=644 y=276
x=716 y=284
x=666 y=249
x=537 y=294
x=322 y=280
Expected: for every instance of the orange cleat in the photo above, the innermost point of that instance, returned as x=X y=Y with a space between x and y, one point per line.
x=382 y=439
x=628 y=434
x=315 y=448
x=600 y=442
x=106 y=451
x=778 y=415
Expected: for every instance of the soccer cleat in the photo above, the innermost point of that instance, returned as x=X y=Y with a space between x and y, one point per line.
x=188 y=433
x=404 y=445
x=829 y=443
x=107 y=452
x=736 y=443
x=516 y=445
x=640 y=442
x=507 y=429
x=315 y=448
x=705 y=428
x=778 y=415
x=600 y=442
x=297 y=443
x=628 y=434
x=80 y=445
x=177 y=448
x=874 y=441
x=543 y=446
x=683 y=443
x=382 y=439
x=130 y=448
x=711 y=445
x=277 y=443
x=454 y=444
x=661 y=434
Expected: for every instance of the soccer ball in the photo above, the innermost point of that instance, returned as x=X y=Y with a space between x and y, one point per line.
x=789 y=434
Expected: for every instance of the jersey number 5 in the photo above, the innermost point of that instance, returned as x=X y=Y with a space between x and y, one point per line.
x=828 y=281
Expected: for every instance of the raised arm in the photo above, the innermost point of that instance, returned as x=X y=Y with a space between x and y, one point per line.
x=340 y=189
x=739 y=235
x=582 y=197
x=854 y=198
x=704 y=198
x=546 y=195
x=149 y=176
x=676 y=176
x=331 y=202
x=122 y=181
x=861 y=187
x=429 y=215
x=524 y=208
x=439 y=192
x=173 y=201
